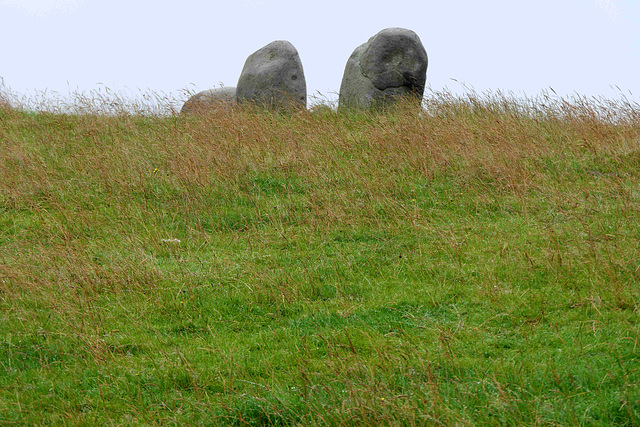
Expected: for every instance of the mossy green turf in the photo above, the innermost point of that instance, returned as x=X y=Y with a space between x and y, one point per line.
x=441 y=299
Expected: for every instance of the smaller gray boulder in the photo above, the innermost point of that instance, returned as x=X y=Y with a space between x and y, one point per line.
x=209 y=100
x=273 y=77
x=393 y=63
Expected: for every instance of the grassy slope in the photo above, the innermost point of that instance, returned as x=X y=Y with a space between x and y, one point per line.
x=475 y=264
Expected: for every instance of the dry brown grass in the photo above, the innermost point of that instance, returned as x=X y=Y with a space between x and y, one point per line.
x=347 y=164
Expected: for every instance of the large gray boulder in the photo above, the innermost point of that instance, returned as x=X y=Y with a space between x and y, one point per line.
x=393 y=63
x=209 y=100
x=273 y=77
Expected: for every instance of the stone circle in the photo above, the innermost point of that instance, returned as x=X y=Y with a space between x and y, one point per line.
x=209 y=100
x=273 y=77
x=393 y=63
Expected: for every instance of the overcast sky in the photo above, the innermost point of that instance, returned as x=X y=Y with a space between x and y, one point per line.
x=582 y=46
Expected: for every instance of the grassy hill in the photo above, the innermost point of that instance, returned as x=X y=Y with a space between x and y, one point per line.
x=475 y=262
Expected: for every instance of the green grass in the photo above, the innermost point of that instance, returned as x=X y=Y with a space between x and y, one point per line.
x=474 y=264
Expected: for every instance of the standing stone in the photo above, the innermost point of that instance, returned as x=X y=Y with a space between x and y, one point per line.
x=273 y=77
x=391 y=64
x=209 y=100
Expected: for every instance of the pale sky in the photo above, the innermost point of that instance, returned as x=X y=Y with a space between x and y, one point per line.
x=573 y=46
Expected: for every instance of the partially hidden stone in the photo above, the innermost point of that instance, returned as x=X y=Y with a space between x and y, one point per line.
x=273 y=78
x=209 y=100
x=393 y=63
